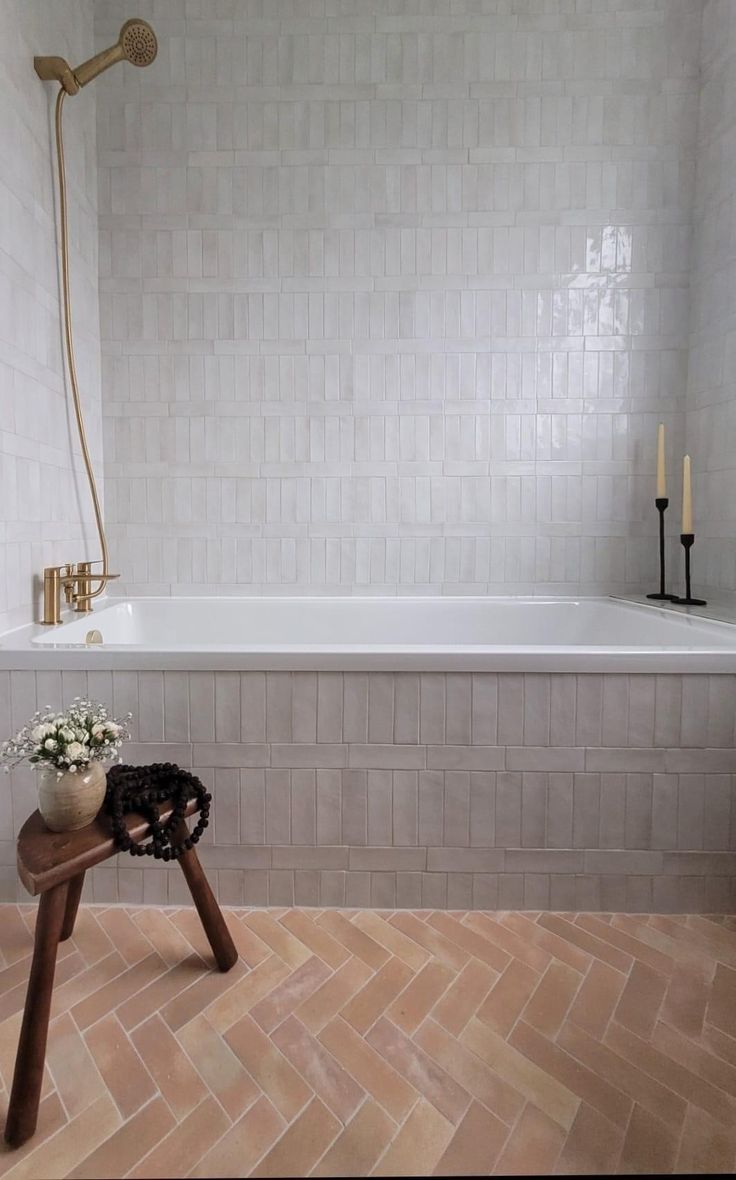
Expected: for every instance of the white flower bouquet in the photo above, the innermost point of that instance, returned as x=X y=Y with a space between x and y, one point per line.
x=68 y=741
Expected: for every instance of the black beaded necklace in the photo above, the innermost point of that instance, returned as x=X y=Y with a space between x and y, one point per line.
x=143 y=789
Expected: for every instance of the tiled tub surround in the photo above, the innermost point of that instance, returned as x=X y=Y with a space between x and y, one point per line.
x=434 y=790
x=45 y=512
x=394 y=295
x=711 y=404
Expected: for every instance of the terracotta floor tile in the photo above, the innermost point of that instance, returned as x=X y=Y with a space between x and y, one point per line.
x=533 y=1145
x=475 y=1146
x=337 y=1089
x=420 y=996
x=641 y=999
x=721 y=1010
x=211 y=986
x=220 y=1069
x=595 y=946
x=187 y=1141
x=470 y=1072
x=475 y=942
x=377 y=994
x=316 y=939
x=683 y=1081
x=648 y=1148
x=551 y=1096
x=225 y=1009
x=290 y=993
x=251 y=949
x=625 y=1075
x=549 y=1003
x=639 y=950
x=123 y=1149
x=464 y=996
x=165 y=938
x=90 y=938
x=685 y=1001
x=302 y=1144
x=123 y=1072
x=502 y=1006
x=169 y=1066
x=419 y=1145
x=60 y=1155
x=16 y=939
x=696 y=1057
x=593 y=1147
x=380 y=929
x=126 y=937
x=351 y=1041
x=160 y=990
x=277 y=937
x=706 y=1146
x=559 y=948
x=240 y=1148
x=68 y=968
x=188 y=924
x=431 y=939
x=354 y=939
x=530 y=953
x=333 y=995
x=420 y=1070
x=570 y=1072
x=114 y=993
x=597 y=998
x=716 y=1042
x=360 y=1145
x=268 y=1067
x=369 y=1069
x=72 y=1066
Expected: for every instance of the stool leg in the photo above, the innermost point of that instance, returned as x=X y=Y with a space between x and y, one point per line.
x=72 y=905
x=29 y=1061
x=209 y=911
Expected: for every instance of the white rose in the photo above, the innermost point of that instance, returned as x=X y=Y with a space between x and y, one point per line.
x=113 y=729
x=41 y=731
x=75 y=751
x=97 y=729
x=50 y=744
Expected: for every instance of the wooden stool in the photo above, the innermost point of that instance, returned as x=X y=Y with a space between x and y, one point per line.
x=53 y=864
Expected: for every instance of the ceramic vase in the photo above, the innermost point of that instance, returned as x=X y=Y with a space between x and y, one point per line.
x=72 y=801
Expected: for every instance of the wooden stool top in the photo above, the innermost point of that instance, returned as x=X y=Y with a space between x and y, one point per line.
x=47 y=858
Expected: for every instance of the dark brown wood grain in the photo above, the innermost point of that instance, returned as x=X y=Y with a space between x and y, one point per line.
x=209 y=911
x=29 y=1061
x=47 y=858
x=74 y=892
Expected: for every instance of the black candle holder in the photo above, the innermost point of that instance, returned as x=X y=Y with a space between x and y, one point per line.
x=688 y=540
x=661 y=502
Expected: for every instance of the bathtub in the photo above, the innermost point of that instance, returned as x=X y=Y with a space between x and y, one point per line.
x=479 y=634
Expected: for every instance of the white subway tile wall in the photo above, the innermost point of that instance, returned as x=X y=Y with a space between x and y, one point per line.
x=394 y=295
x=45 y=511
x=711 y=418
x=443 y=790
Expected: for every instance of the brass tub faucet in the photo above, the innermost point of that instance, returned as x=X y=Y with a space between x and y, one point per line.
x=76 y=582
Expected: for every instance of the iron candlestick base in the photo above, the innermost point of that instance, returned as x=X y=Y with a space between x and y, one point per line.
x=661 y=503
x=688 y=540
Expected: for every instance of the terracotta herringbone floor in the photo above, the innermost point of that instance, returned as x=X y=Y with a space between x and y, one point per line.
x=363 y=1042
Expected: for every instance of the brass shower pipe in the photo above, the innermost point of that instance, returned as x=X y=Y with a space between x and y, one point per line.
x=137 y=45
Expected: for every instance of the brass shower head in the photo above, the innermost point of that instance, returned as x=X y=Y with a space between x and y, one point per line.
x=136 y=44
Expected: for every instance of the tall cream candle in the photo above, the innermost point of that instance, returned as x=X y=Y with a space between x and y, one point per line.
x=661 y=473
x=687 y=497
